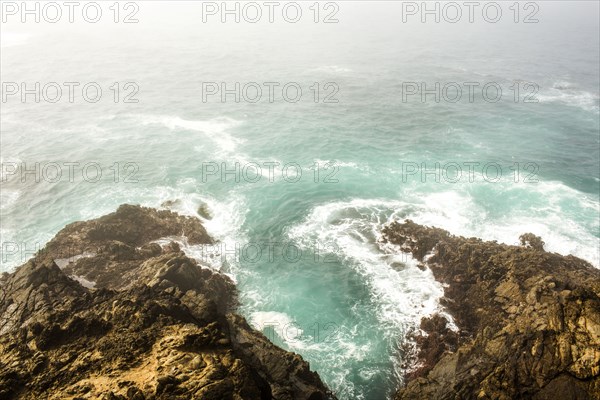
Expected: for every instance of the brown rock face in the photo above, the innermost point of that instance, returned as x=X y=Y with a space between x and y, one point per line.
x=131 y=320
x=529 y=320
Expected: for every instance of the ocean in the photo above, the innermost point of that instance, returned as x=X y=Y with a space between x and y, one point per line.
x=300 y=140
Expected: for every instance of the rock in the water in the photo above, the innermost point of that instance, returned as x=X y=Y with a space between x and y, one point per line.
x=204 y=211
x=170 y=203
x=156 y=325
x=529 y=320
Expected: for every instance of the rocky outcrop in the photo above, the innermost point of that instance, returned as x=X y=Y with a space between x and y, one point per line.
x=529 y=320
x=102 y=312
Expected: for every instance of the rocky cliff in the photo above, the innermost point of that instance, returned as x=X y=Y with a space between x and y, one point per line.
x=103 y=312
x=529 y=320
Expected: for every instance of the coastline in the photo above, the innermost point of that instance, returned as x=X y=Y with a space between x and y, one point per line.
x=529 y=320
x=129 y=318
x=153 y=324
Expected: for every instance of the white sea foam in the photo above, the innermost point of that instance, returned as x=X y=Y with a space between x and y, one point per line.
x=459 y=213
x=6 y=167
x=403 y=292
x=336 y=343
x=568 y=94
x=282 y=324
x=342 y=164
x=225 y=225
x=352 y=229
x=332 y=69
x=563 y=85
x=215 y=129
x=8 y=197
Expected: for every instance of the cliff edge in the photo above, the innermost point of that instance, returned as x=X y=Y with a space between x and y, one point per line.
x=103 y=312
x=528 y=320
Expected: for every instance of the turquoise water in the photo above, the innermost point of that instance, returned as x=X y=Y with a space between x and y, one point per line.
x=322 y=285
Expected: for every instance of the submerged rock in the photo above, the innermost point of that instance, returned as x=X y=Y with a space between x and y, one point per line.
x=529 y=320
x=154 y=325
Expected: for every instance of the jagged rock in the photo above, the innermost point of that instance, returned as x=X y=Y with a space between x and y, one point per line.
x=156 y=325
x=127 y=228
x=170 y=203
x=529 y=320
x=204 y=211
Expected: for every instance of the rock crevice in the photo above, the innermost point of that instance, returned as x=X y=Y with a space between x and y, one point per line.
x=151 y=324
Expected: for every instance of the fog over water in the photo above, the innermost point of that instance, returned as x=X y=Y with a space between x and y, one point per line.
x=305 y=139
